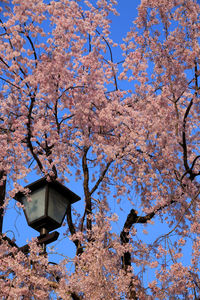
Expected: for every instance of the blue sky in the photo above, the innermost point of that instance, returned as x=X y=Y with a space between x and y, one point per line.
x=121 y=24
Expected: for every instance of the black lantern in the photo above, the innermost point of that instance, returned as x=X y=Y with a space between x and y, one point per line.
x=47 y=208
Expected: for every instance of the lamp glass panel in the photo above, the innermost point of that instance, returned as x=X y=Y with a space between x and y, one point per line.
x=57 y=205
x=36 y=207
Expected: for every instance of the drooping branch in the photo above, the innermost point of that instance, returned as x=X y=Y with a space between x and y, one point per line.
x=14 y=58
x=111 y=59
x=188 y=169
x=55 y=112
x=180 y=219
x=47 y=148
x=101 y=177
x=29 y=135
x=2 y=197
x=25 y=250
x=7 y=81
x=33 y=48
x=79 y=248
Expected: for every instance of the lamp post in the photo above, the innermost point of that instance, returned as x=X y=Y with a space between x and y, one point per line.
x=46 y=209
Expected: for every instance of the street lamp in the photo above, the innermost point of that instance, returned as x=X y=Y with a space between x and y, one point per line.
x=46 y=209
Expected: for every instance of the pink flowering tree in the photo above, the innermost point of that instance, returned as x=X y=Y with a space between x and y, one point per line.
x=63 y=112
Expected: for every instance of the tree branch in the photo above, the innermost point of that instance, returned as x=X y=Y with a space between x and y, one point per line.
x=29 y=135
x=101 y=177
x=132 y=219
x=86 y=188
x=79 y=248
x=2 y=197
x=111 y=58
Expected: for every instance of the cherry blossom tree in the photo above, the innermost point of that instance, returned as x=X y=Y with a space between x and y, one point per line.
x=63 y=112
